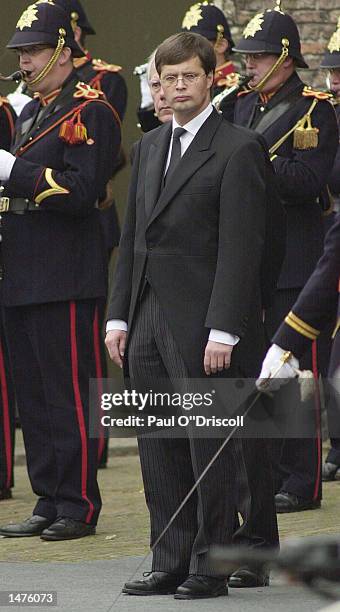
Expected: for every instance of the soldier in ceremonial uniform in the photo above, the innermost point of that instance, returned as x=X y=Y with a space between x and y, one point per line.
x=331 y=62
x=55 y=270
x=107 y=78
x=7 y=398
x=208 y=20
x=300 y=128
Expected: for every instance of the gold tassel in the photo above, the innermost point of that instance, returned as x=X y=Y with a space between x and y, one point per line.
x=80 y=132
x=306 y=137
x=66 y=131
x=73 y=131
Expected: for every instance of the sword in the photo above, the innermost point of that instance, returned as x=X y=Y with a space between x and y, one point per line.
x=284 y=359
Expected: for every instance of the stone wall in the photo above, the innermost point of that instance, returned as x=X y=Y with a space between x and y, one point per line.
x=316 y=20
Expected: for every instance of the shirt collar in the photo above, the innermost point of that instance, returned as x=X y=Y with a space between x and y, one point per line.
x=196 y=123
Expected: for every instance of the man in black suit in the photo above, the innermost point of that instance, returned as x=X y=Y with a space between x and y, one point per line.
x=186 y=302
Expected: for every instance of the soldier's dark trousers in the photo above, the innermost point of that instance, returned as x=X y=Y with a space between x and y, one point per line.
x=52 y=358
x=297 y=462
x=7 y=415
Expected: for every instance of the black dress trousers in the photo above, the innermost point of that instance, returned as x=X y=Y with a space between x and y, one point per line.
x=52 y=355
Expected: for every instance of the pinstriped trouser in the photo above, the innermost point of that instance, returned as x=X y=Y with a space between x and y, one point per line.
x=170 y=466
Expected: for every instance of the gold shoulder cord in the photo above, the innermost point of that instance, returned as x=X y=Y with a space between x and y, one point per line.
x=278 y=63
x=304 y=138
x=53 y=60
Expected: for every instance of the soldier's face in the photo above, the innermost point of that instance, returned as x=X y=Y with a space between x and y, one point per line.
x=258 y=65
x=162 y=110
x=186 y=88
x=334 y=80
x=33 y=59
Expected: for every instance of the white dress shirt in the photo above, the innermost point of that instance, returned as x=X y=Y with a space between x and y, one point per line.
x=186 y=139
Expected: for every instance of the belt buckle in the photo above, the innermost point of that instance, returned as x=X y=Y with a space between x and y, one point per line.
x=4 y=204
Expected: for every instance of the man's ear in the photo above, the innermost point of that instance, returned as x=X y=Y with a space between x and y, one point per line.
x=289 y=62
x=65 y=56
x=222 y=46
x=77 y=34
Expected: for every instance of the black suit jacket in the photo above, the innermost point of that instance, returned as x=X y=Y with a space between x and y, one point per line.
x=301 y=175
x=200 y=240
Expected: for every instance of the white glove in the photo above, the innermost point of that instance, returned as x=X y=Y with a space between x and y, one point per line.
x=146 y=98
x=7 y=161
x=271 y=368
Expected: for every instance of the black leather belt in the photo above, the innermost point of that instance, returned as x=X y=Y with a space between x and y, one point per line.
x=17 y=205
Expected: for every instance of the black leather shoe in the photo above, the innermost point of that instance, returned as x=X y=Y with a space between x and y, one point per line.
x=65 y=528
x=33 y=526
x=157 y=583
x=5 y=494
x=201 y=587
x=330 y=471
x=288 y=502
x=245 y=577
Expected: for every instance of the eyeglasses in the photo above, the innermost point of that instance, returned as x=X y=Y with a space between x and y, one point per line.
x=155 y=86
x=254 y=57
x=189 y=78
x=31 y=50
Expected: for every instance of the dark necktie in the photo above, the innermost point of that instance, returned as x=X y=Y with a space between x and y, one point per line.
x=175 y=151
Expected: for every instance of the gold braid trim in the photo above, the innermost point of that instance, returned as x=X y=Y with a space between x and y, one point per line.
x=53 y=60
x=278 y=63
x=301 y=326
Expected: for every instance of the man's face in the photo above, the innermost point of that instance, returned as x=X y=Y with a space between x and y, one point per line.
x=32 y=59
x=334 y=80
x=162 y=110
x=257 y=66
x=186 y=87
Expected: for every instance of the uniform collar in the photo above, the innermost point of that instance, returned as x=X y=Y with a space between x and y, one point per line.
x=45 y=100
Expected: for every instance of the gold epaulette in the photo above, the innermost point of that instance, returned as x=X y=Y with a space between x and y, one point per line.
x=84 y=90
x=301 y=326
x=100 y=66
x=308 y=92
x=228 y=80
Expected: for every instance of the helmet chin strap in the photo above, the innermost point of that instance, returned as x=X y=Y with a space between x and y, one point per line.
x=278 y=63
x=44 y=72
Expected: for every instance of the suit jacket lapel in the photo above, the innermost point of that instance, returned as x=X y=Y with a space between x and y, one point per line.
x=195 y=156
x=155 y=168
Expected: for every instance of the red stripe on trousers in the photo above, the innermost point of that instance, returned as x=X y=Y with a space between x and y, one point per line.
x=317 y=417
x=7 y=429
x=99 y=376
x=79 y=409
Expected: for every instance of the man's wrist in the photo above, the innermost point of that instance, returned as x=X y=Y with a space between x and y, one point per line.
x=217 y=335
x=116 y=324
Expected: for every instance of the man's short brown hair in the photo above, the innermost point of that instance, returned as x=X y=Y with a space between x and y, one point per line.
x=182 y=47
